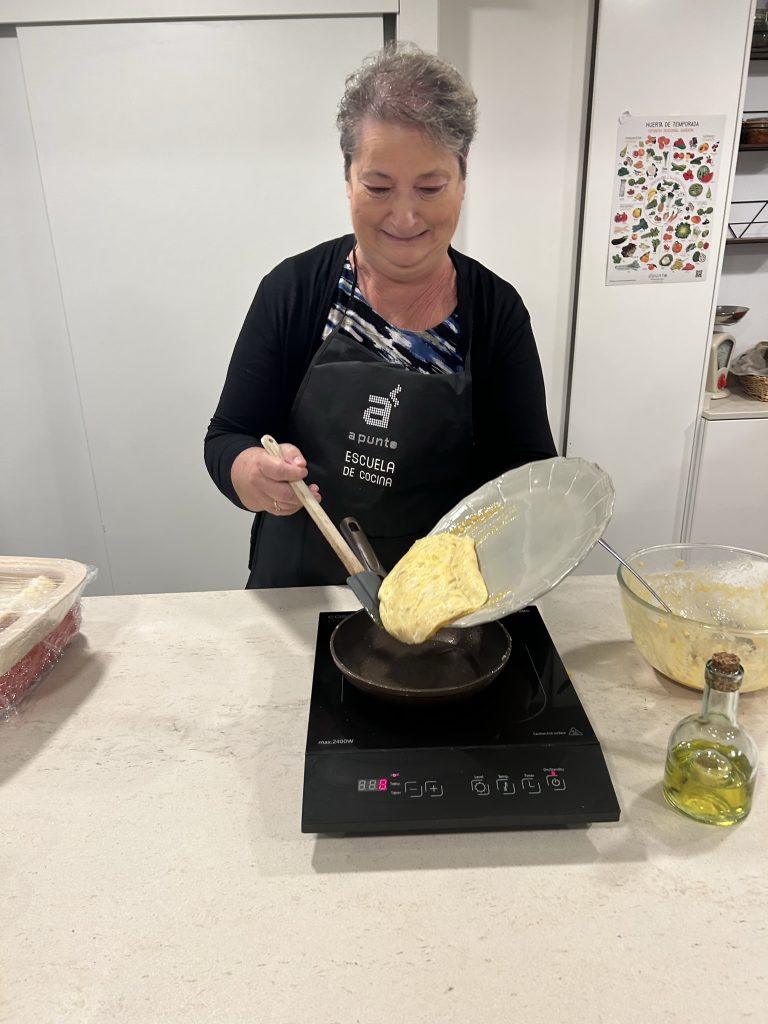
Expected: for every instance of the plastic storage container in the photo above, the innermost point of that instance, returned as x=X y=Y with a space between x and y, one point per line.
x=39 y=616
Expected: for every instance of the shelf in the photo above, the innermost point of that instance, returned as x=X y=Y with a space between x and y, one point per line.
x=758 y=221
x=744 y=215
x=735 y=406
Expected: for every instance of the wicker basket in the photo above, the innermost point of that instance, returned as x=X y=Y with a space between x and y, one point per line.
x=754 y=386
x=751 y=371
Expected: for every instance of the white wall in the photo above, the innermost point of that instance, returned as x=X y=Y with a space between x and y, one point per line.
x=48 y=500
x=162 y=169
x=640 y=351
x=529 y=64
x=33 y=12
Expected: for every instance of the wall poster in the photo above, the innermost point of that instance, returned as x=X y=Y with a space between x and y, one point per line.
x=665 y=180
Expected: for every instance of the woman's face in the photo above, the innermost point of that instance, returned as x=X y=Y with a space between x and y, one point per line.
x=405 y=196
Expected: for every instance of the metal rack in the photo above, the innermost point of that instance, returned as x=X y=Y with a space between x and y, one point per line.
x=759 y=218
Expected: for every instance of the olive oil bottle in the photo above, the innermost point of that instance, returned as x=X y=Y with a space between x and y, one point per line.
x=711 y=760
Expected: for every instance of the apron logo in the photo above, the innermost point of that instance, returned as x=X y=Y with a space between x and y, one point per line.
x=373 y=469
x=377 y=415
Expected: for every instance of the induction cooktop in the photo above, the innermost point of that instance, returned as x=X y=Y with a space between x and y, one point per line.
x=519 y=754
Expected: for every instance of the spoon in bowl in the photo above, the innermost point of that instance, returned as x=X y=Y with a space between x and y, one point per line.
x=637 y=576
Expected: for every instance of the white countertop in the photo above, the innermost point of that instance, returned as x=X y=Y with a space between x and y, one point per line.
x=153 y=869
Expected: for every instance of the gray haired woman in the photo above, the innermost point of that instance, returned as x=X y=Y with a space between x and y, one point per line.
x=399 y=373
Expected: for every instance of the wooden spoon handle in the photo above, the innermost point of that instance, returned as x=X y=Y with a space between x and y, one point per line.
x=342 y=549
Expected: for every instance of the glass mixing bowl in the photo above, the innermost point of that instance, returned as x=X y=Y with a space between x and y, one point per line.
x=720 y=599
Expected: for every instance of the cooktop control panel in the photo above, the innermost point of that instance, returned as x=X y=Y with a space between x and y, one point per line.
x=454 y=789
x=480 y=784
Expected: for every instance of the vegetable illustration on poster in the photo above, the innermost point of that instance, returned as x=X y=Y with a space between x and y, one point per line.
x=664 y=199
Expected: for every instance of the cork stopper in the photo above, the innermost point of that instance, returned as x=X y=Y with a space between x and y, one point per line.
x=724 y=672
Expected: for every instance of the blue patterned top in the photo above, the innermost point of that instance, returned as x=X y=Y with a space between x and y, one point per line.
x=439 y=349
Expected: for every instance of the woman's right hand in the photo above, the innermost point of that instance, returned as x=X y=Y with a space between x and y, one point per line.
x=263 y=482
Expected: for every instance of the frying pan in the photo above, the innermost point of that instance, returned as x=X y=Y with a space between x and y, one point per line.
x=454 y=663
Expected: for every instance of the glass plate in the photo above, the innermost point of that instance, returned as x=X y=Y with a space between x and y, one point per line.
x=531 y=527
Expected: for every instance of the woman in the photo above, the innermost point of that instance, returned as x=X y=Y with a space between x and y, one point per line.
x=399 y=374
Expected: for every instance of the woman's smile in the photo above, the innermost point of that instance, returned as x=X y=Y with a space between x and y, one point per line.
x=401 y=238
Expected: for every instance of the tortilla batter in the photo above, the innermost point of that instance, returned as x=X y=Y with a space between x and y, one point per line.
x=437 y=581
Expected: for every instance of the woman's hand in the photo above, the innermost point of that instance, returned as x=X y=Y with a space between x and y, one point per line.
x=263 y=482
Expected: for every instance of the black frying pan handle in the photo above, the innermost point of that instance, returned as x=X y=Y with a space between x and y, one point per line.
x=353 y=534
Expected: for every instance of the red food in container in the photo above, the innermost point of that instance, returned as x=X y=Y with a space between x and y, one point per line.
x=40 y=613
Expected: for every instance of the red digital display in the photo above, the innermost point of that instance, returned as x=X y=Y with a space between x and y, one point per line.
x=372 y=785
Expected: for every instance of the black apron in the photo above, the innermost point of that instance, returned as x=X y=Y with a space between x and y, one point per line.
x=387 y=445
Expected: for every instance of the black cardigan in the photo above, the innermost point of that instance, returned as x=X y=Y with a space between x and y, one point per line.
x=283 y=330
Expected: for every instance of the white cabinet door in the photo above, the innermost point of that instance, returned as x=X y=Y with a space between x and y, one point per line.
x=731 y=504
x=529 y=65
x=179 y=163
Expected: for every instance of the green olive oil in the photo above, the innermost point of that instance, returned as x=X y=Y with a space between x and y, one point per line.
x=709 y=781
x=711 y=759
